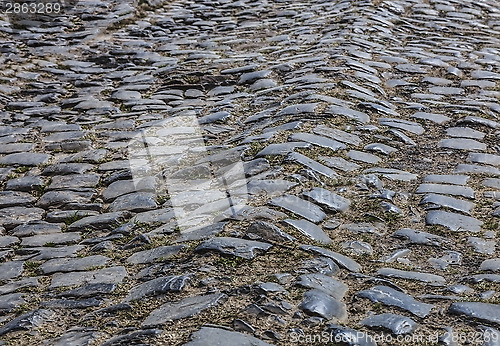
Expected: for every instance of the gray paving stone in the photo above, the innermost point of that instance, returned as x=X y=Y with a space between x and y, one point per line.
x=157 y=254
x=462 y=143
x=431 y=279
x=324 y=283
x=100 y=276
x=318 y=303
x=25 y=159
x=183 y=308
x=327 y=199
x=269 y=232
x=446 y=190
x=233 y=246
x=224 y=338
x=363 y=157
x=391 y=297
x=299 y=207
x=27 y=321
x=453 y=221
x=340 y=259
x=174 y=283
x=480 y=311
x=310 y=230
x=70 y=264
x=396 y=324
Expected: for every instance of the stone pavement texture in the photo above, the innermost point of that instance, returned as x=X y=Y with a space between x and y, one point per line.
x=367 y=133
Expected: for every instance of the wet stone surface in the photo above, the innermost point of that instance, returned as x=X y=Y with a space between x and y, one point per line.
x=246 y=172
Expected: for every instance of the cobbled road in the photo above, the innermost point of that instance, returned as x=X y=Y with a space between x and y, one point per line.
x=251 y=173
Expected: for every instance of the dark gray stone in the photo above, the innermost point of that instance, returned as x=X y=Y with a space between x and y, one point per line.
x=299 y=207
x=223 y=337
x=174 y=283
x=318 y=303
x=186 y=307
x=310 y=230
x=27 y=321
x=233 y=246
x=397 y=324
x=323 y=283
x=430 y=279
x=453 y=221
x=157 y=254
x=269 y=232
x=391 y=297
x=480 y=311
x=327 y=199
x=341 y=260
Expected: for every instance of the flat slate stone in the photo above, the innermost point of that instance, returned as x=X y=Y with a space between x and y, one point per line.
x=339 y=163
x=25 y=159
x=363 y=157
x=492 y=264
x=480 y=311
x=492 y=182
x=340 y=259
x=223 y=337
x=391 y=297
x=186 y=307
x=464 y=132
x=233 y=246
x=174 y=283
x=269 y=232
x=396 y=324
x=9 y=302
x=477 y=169
x=298 y=109
x=448 y=202
x=447 y=179
x=157 y=254
x=101 y=276
x=299 y=207
x=323 y=283
x=431 y=279
x=14 y=216
x=453 y=221
x=52 y=238
x=453 y=190
x=405 y=125
x=11 y=270
x=481 y=245
x=350 y=113
x=351 y=337
x=488 y=159
x=106 y=221
x=199 y=233
x=318 y=303
x=282 y=148
x=337 y=134
x=75 y=338
x=462 y=144
x=269 y=186
x=434 y=117
x=324 y=142
x=14 y=286
x=310 y=230
x=381 y=148
x=72 y=264
x=27 y=321
x=313 y=165
x=134 y=202
x=328 y=199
